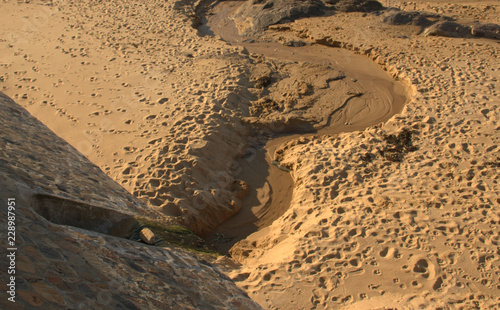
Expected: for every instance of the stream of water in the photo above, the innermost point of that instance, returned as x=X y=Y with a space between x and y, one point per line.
x=271 y=188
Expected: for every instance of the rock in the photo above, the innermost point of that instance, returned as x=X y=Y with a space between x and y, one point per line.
x=262 y=82
x=490 y=31
x=356 y=5
x=295 y=43
x=255 y=16
x=397 y=17
x=147 y=236
x=261 y=76
x=329 y=41
x=240 y=188
x=448 y=29
x=283 y=168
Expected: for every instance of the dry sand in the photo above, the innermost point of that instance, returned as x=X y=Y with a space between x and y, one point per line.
x=174 y=115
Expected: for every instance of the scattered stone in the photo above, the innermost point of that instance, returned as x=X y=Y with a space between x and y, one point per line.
x=261 y=76
x=262 y=82
x=295 y=43
x=283 y=168
x=264 y=105
x=147 y=236
x=240 y=188
x=398 y=145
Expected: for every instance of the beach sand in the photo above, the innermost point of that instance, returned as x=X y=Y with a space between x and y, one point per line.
x=393 y=203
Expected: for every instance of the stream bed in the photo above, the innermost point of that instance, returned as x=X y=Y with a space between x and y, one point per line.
x=373 y=97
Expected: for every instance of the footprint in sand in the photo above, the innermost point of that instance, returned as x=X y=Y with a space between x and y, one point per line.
x=424 y=268
x=389 y=252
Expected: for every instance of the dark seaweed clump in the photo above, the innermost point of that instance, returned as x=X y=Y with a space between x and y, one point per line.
x=398 y=145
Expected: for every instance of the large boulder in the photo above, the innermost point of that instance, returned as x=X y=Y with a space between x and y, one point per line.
x=256 y=15
x=448 y=29
x=397 y=17
x=490 y=31
x=356 y=5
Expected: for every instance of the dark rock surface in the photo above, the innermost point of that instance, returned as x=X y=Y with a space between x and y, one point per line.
x=356 y=5
x=65 y=267
x=448 y=29
x=490 y=31
x=256 y=15
x=439 y=25
x=260 y=14
x=397 y=17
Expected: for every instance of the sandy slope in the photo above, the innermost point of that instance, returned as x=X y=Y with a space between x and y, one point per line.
x=144 y=99
x=132 y=86
x=59 y=265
